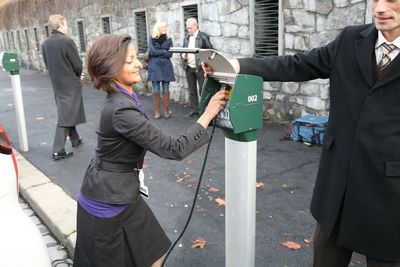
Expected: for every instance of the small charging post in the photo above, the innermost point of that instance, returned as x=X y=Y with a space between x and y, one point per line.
x=240 y=120
x=10 y=63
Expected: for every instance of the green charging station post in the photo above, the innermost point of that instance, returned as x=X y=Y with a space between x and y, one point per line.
x=10 y=63
x=240 y=119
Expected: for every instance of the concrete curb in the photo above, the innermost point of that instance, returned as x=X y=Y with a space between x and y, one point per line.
x=54 y=207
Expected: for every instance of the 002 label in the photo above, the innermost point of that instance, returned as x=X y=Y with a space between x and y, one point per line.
x=252 y=98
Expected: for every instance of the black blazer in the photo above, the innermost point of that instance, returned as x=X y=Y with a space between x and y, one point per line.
x=124 y=136
x=202 y=41
x=358 y=182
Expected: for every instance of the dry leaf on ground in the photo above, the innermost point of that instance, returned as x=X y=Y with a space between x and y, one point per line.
x=179 y=180
x=308 y=240
x=213 y=189
x=145 y=166
x=220 y=201
x=199 y=243
x=291 y=245
x=260 y=185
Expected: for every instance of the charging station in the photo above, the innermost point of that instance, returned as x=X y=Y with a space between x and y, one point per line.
x=10 y=63
x=239 y=120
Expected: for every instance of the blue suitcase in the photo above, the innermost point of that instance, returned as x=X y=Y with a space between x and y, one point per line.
x=309 y=128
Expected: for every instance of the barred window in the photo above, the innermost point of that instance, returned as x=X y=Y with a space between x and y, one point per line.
x=82 y=41
x=141 y=32
x=266 y=27
x=19 y=40
x=13 y=40
x=190 y=11
x=28 y=46
x=8 y=45
x=105 y=22
x=46 y=30
x=36 y=39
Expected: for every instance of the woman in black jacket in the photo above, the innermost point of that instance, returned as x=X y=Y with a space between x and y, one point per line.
x=115 y=226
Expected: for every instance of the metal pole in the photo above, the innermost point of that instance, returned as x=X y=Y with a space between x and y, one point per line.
x=19 y=107
x=240 y=199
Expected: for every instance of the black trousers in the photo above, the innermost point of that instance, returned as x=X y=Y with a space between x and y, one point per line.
x=61 y=136
x=193 y=77
x=328 y=254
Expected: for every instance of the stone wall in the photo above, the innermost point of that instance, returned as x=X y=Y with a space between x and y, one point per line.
x=305 y=24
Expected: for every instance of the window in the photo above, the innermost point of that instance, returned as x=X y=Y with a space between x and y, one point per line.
x=81 y=36
x=28 y=47
x=13 y=40
x=8 y=45
x=105 y=23
x=19 y=40
x=141 y=32
x=266 y=27
x=189 y=12
x=36 y=39
x=46 y=30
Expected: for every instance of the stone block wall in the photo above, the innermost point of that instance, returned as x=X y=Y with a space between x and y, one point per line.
x=304 y=24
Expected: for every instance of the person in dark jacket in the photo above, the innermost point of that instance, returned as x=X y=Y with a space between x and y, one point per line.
x=64 y=64
x=191 y=64
x=356 y=198
x=115 y=226
x=160 y=67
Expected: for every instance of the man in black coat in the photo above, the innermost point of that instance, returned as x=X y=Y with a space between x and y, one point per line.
x=192 y=66
x=356 y=199
x=64 y=64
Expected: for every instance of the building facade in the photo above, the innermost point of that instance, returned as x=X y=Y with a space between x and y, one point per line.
x=237 y=28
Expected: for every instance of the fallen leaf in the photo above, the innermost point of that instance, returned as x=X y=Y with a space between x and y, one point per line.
x=210 y=198
x=179 y=180
x=259 y=185
x=291 y=245
x=220 y=201
x=199 y=243
x=213 y=189
x=145 y=166
x=187 y=175
x=308 y=240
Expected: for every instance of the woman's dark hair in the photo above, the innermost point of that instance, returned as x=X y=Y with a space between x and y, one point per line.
x=105 y=59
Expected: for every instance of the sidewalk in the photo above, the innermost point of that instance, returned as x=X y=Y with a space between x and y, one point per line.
x=286 y=169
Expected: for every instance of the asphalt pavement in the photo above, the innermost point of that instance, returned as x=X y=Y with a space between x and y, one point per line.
x=286 y=172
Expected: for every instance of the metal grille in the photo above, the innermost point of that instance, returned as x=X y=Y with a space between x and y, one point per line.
x=19 y=40
x=28 y=46
x=141 y=32
x=190 y=12
x=36 y=39
x=105 y=21
x=266 y=26
x=13 y=40
x=46 y=30
x=8 y=41
x=81 y=36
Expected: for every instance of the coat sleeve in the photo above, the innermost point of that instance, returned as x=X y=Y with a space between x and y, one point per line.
x=154 y=51
x=167 y=45
x=316 y=63
x=73 y=57
x=136 y=128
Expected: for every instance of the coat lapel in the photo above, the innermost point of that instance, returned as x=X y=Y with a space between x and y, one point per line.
x=364 y=49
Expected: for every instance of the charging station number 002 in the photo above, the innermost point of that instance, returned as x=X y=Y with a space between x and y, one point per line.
x=252 y=98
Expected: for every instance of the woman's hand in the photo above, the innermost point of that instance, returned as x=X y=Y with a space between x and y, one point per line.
x=216 y=104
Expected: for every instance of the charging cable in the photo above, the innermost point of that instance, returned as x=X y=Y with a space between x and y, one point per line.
x=195 y=197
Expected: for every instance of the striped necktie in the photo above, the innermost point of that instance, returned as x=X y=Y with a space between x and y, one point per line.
x=385 y=60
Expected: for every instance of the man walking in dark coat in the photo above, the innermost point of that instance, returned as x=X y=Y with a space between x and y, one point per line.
x=64 y=64
x=356 y=199
x=194 y=72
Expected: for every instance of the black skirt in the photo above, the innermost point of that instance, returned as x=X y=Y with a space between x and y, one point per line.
x=133 y=238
